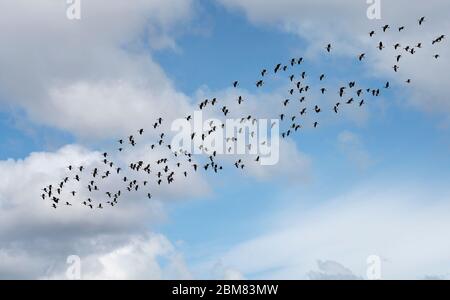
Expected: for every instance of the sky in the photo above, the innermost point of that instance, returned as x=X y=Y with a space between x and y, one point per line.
x=369 y=181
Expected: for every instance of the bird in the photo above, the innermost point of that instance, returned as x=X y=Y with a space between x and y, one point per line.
x=277 y=68
x=361 y=56
x=328 y=48
x=421 y=20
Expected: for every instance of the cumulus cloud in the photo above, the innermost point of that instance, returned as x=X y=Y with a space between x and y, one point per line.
x=36 y=239
x=147 y=256
x=93 y=77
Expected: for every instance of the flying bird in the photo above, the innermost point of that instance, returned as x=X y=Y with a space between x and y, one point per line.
x=421 y=20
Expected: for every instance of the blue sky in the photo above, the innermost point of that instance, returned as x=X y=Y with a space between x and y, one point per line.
x=391 y=157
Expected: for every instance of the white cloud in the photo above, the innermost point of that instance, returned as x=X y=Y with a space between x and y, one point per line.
x=222 y=272
x=36 y=239
x=94 y=77
x=293 y=164
x=232 y=274
x=140 y=257
x=331 y=270
x=344 y=23
x=404 y=224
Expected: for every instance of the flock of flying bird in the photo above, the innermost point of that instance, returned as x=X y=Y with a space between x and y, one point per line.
x=141 y=176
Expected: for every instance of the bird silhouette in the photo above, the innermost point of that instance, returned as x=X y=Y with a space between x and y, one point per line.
x=421 y=20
